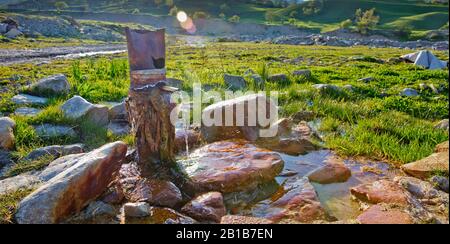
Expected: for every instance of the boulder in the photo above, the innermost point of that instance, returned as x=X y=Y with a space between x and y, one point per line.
x=233 y=129
x=440 y=182
x=56 y=84
x=77 y=108
x=278 y=78
x=52 y=131
x=298 y=202
x=231 y=166
x=5 y=159
x=137 y=188
x=58 y=166
x=27 y=112
x=409 y=92
x=424 y=168
x=159 y=215
x=382 y=191
x=331 y=173
x=206 y=207
x=326 y=87
x=304 y=73
x=13 y=33
x=24 y=99
x=118 y=112
x=377 y=214
x=3 y=28
x=55 y=151
x=7 y=139
x=137 y=210
x=235 y=219
x=235 y=82
x=73 y=189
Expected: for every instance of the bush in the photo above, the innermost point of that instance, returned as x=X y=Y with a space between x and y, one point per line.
x=346 y=24
x=366 y=20
x=235 y=19
x=312 y=7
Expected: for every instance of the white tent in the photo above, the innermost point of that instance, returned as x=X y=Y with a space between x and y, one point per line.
x=425 y=59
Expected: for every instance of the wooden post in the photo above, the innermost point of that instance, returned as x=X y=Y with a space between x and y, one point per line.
x=148 y=102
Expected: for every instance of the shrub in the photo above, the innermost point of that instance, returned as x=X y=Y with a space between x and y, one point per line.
x=366 y=20
x=235 y=19
x=346 y=24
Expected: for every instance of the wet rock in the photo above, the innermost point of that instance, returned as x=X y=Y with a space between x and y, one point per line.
x=331 y=173
x=70 y=191
x=409 y=92
x=56 y=84
x=235 y=82
x=304 y=73
x=52 y=131
x=7 y=138
x=231 y=167
x=119 y=128
x=24 y=181
x=303 y=116
x=382 y=191
x=297 y=201
x=234 y=219
x=160 y=216
x=193 y=139
x=137 y=210
x=13 y=33
x=278 y=78
x=28 y=112
x=77 y=108
x=442 y=125
x=55 y=151
x=440 y=182
x=206 y=207
x=424 y=168
x=118 y=112
x=141 y=189
x=377 y=214
x=230 y=129
x=58 y=166
x=24 y=99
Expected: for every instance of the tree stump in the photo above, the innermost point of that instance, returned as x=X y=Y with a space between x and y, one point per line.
x=148 y=103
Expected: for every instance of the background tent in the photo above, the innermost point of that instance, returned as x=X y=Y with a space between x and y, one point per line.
x=425 y=59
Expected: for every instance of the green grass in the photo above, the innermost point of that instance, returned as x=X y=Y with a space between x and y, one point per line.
x=9 y=204
x=362 y=123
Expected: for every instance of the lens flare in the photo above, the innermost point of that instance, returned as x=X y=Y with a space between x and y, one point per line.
x=182 y=16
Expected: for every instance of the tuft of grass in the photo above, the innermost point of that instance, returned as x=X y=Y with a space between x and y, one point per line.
x=9 y=203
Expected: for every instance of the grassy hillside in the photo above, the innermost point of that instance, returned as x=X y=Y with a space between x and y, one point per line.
x=412 y=13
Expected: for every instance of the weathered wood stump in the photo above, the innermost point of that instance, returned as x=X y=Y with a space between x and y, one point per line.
x=148 y=103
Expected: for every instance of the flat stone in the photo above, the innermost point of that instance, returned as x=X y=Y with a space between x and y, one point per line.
x=7 y=138
x=28 y=112
x=206 y=207
x=139 y=209
x=56 y=84
x=235 y=82
x=325 y=87
x=72 y=190
x=366 y=79
x=235 y=219
x=379 y=215
x=409 y=92
x=24 y=181
x=305 y=73
x=298 y=202
x=424 y=168
x=231 y=167
x=55 y=151
x=278 y=78
x=78 y=108
x=51 y=131
x=24 y=99
x=331 y=173
x=137 y=188
x=160 y=216
x=382 y=191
